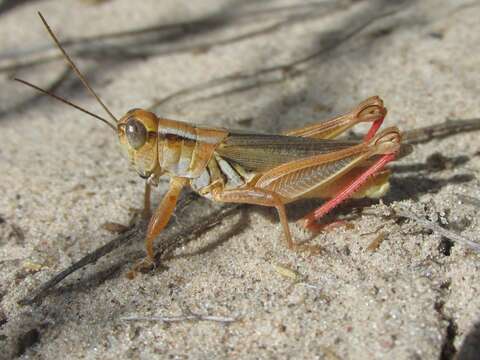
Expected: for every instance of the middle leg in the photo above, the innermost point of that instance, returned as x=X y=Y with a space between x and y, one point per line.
x=257 y=196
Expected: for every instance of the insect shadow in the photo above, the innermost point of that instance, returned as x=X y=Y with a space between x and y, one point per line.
x=118 y=49
x=470 y=347
x=422 y=182
x=114 y=270
x=7 y=5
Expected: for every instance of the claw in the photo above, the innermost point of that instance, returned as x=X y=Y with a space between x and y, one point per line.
x=311 y=225
x=144 y=265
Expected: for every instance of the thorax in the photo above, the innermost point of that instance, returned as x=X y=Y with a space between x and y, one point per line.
x=184 y=150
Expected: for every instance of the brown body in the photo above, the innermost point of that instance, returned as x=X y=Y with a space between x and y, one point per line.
x=216 y=160
x=267 y=170
x=262 y=169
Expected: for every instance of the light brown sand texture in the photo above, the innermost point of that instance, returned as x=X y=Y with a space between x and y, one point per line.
x=382 y=288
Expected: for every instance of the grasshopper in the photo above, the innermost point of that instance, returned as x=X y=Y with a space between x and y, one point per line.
x=260 y=169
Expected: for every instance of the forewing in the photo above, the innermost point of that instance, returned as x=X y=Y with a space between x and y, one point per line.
x=261 y=152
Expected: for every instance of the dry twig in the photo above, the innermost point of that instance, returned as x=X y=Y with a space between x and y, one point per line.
x=401 y=212
x=151 y=40
x=136 y=232
x=40 y=292
x=439 y=131
x=181 y=318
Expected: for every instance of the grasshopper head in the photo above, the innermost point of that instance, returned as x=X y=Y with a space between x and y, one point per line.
x=137 y=132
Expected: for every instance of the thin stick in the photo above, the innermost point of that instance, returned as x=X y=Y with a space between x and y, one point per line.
x=39 y=293
x=137 y=232
x=278 y=72
x=179 y=30
x=310 y=286
x=440 y=131
x=181 y=318
x=75 y=69
x=192 y=232
x=438 y=229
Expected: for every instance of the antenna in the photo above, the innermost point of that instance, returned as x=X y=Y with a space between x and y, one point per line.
x=75 y=69
x=59 y=98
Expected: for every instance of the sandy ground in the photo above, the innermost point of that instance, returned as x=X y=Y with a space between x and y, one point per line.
x=415 y=296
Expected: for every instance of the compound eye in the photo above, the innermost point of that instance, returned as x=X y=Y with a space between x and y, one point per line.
x=136 y=133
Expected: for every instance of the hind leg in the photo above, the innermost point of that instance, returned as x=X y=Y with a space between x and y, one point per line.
x=369 y=110
x=310 y=221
